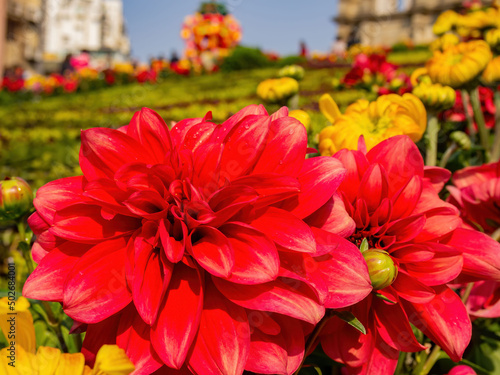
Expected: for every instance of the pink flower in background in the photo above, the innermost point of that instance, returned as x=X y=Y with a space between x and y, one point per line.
x=476 y=193
x=462 y=370
x=206 y=248
x=417 y=245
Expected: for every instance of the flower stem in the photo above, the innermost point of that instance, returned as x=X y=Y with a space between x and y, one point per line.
x=481 y=125
x=24 y=249
x=431 y=360
x=470 y=121
x=495 y=151
x=312 y=339
x=432 y=139
x=447 y=154
x=467 y=291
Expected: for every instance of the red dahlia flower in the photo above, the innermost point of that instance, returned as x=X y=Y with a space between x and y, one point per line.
x=398 y=213
x=191 y=248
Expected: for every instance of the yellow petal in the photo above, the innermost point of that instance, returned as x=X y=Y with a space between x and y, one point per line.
x=112 y=360
x=70 y=364
x=329 y=108
x=22 y=325
x=48 y=360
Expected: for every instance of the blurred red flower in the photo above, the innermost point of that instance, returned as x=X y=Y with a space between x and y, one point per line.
x=198 y=248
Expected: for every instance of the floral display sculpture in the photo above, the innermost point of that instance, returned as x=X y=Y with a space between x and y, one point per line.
x=210 y=33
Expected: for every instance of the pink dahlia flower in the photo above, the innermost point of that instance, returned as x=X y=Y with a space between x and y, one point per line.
x=462 y=370
x=416 y=246
x=197 y=248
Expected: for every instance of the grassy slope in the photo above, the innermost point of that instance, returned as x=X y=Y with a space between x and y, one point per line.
x=39 y=140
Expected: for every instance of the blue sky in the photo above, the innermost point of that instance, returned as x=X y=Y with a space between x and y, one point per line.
x=274 y=25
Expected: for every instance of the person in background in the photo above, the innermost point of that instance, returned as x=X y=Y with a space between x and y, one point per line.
x=339 y=47
x=81 y=61
x=174 y=58
x=66 y=66
x=303 y=49
x=353 y=38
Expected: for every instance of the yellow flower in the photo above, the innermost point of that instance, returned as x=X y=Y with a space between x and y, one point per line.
x=302 y=116
x=110 y=360
x=459 y=64
x=293 y=71
x=445 y=22
x=491 y=75
x=435 y=96
x=388 y=116
x=492 y=37
x=445 y=41
x=277 y=90
x=19 y=357
x=23 y=327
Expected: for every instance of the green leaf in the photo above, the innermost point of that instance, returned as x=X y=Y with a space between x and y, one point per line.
x=381 y=296
x=45 y=336
x=350 y=319
x=310 y=370
x=364 y=245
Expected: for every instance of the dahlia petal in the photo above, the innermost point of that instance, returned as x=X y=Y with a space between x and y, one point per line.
x=288 y=297
x=319 y=179
x=344 y=343
x=267 y=354
x=196 y=137
x=229 y=200
x=437 y=271
x=373 y=186
x=212 y=250
x=411 y=253
x=282 y=112
x=475 y=175
x=444 y=320
x=220 y=348
x=173 y=249
x=480 y=253
x=256 y=259
x=383 y=360
x=106 y=193
x=104 y=151
x=286 y=230
x=293 y=335
x=270 y=187
x=96 y=287
x=285 y=160
x=149 y=129
x=333 y=217
x=47 y=280
x=99 y=334
x=250 y=110
x=150 y=280
x=393 y=326
x=243 y=146
x=382 y=214
x=38 y=252
x=207 y=164
x=180 y=129
x=439 y=223
x=148 y=204
x=181 y=307
x=405 y=200
x=37 y=224
x=437 y=177
x=57 y=195
x=303 y=267
x=356 y=164
x=133 y=336
x=407 y=228
x=344 y=271
x=263 y=321
x=84 y=223
x=389 y=154
x=429 y=201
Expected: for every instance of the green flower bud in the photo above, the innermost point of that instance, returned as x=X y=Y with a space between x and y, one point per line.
x=16 y=199
x=462 y=139
x=381 y=268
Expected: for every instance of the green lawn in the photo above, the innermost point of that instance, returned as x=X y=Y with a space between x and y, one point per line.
x=40 y=139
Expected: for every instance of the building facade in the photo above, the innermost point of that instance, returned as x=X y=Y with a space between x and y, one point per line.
x=22 y=39
x=386 y=22
x=71 y=26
